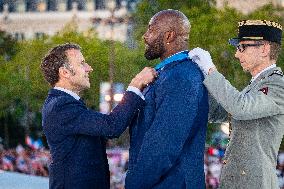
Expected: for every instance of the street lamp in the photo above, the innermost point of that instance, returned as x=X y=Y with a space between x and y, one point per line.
x=111 y=6
x=225 y=128
x=107 y=90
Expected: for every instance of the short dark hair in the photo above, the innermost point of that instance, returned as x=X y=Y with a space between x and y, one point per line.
x=275 y=50
x=55 y=59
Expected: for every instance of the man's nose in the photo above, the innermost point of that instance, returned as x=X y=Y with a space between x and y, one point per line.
x=237 y=54
x=88 y=68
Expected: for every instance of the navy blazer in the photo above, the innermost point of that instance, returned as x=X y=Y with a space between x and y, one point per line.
x=77 y=135
x=168 y=137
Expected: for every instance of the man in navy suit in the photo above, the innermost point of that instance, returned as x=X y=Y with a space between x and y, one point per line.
x=168 y=137
x=75 y=134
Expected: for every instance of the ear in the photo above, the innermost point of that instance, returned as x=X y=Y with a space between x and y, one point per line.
x=63 y=73
x=265 y=50
x=169 y=36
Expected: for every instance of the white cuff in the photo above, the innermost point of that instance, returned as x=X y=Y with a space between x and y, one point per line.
x=136 y=91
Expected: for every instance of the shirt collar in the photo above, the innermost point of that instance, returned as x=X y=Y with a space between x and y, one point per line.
x=68 y=92
x=175 y=57
x=265 y=69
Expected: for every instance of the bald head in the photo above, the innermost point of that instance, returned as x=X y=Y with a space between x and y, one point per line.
x=167 y=34
x=172 y=20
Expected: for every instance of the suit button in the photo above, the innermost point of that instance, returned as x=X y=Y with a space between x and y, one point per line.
x=225 y=162
x=243 y=173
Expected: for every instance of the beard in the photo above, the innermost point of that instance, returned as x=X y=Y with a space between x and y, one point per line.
x=155 y=49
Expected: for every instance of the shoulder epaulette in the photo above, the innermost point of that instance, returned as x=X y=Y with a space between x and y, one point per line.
x=276 y=72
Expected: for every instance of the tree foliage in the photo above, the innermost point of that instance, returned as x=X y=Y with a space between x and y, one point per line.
x=210 y=29
x=23 y=88
x=8 y=45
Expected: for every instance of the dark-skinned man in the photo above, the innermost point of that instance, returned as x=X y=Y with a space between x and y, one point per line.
x=167 y=137
x=75 y=134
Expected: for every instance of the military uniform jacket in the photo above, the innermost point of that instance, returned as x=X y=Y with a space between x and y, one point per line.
x=76 y=137
x=257 y=128
x=168 y=135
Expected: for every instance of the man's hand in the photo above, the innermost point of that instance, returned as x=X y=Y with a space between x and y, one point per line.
x=203 y=60
x=142 y=79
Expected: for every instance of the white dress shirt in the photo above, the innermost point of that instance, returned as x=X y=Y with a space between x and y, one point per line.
x=68 y=92
x=77 y=97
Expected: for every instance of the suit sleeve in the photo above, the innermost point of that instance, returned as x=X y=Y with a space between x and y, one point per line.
x=245 y=106
x=171 y=128
x=77 y=119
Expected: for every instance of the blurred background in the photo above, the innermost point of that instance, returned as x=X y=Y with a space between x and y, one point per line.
x=110 y=34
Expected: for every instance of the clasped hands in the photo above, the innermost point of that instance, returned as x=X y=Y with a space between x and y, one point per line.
x=145 y=77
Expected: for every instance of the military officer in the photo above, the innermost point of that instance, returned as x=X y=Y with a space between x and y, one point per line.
x=257 y=112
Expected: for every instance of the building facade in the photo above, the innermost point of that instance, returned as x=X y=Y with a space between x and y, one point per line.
x=26 y=19
x=58 y=5
x=247 y=6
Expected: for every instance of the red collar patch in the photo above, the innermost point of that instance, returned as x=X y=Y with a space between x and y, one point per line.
x=264 y=90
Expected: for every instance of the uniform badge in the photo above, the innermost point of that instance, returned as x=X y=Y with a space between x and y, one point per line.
x=264 y=90
x=277 y=72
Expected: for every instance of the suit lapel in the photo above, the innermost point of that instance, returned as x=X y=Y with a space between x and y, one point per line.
x=166 y=67
x=146 y=90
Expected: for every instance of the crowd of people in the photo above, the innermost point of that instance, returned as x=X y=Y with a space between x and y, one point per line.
x=35 y=162
x=25 y=160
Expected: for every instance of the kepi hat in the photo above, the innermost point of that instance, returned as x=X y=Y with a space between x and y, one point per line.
x=258 y=30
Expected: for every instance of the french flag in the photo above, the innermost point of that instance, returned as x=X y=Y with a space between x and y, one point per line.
x=37 y=144
x=213 y=151
x=29 y=141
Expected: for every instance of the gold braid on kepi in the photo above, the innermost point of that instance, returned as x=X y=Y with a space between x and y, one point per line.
x=258 y=30
x=260 y=22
